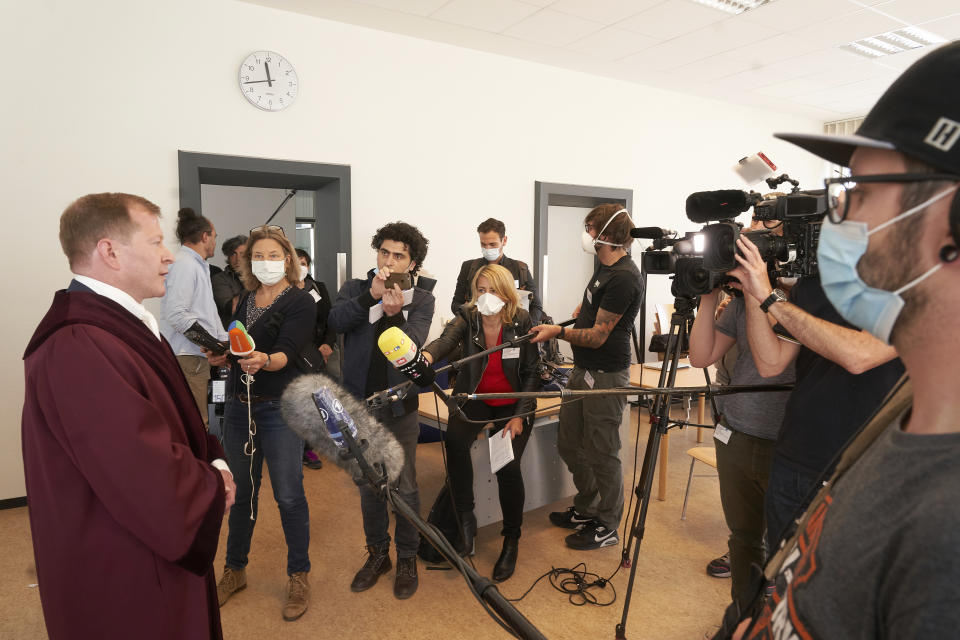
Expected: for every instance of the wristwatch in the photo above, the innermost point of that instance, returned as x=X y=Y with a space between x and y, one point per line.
x=777 y=295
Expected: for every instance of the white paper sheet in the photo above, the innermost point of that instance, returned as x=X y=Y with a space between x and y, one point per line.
x=501 y=451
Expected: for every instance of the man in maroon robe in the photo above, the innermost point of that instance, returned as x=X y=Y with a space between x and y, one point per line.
x=126 y=490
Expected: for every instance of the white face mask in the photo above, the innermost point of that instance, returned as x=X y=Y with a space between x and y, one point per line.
x=489 y=304
x=269 y=271
x=304 y=272
x=490 y=254
x=589 y=244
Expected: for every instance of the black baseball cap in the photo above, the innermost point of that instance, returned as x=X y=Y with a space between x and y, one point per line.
x=918 y=115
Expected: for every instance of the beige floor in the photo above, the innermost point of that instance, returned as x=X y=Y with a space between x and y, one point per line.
x=672 y=598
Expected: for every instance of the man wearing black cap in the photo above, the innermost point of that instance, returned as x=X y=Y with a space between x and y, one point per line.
x=875 y=554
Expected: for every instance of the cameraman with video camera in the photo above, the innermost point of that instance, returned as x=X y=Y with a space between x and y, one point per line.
x=842 y=373
x=745 y=435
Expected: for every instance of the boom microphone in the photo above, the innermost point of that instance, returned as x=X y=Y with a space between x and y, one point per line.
x=651 y=233
x=317 y=409
x=404 y=354
x=707 y=206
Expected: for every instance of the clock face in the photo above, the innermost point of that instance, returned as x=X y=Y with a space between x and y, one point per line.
x=268 y=81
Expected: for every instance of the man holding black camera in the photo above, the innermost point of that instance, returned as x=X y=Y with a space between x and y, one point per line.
x=875 y=554
x=365 y=308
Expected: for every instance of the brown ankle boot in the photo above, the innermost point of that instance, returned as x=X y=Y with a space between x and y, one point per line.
x=377 y=564
x=232 y=581
x=298 y=596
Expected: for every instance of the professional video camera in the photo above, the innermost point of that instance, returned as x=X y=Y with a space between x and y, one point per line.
x=700 y=260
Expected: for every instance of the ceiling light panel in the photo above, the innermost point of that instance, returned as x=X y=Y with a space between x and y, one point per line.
x=732 y=6
x=893 y=42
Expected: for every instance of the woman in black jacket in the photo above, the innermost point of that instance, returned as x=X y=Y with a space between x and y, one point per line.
x=491 y=317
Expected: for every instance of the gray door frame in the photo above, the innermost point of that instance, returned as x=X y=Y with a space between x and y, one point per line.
x=552 y=194
x=330 y=182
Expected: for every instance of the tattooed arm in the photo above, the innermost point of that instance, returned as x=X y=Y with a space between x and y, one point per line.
x=592 y=338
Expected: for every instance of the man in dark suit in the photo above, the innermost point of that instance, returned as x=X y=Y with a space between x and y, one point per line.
x=493 y=239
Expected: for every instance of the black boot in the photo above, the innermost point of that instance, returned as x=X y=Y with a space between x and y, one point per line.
x=468 y=532
x=507 y=561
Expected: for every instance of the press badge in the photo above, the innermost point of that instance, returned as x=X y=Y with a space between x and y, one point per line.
x=722 y=433
x=315 y=295
x=511 y=353
x=588 y=379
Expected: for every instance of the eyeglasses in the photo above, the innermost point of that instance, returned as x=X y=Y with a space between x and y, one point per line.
x=587 y=227
x=269 y=227
x=840 y=190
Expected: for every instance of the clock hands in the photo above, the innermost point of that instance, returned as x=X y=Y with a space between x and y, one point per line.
x=269 y=80
x=256 y=81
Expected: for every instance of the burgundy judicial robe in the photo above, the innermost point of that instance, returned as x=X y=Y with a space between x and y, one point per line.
x=125 y=509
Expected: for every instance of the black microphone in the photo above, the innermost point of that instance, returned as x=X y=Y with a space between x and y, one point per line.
x=651 y=233
x=318 y=410
x=707 y=206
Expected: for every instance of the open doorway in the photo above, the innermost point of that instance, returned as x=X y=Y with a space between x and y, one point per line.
x=237 y=193
x=563 y=269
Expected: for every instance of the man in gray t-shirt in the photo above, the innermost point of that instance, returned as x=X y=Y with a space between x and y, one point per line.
x=744 y=437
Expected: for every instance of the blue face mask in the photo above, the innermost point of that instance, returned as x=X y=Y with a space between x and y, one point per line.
x=839 y=250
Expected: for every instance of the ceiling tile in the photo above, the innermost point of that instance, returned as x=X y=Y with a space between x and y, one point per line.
x=917 y=11
x=672 y=18
x=854 y=26
x=612 y=43
x=417 y=7
x=486 y=15
x=553 y=28
x=792 y=87
x=714 y=67
x=787 y=15
x=948 y=28
x=605 y=11
x=539 y=3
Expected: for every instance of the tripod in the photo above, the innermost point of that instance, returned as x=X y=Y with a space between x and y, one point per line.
x=680 y=324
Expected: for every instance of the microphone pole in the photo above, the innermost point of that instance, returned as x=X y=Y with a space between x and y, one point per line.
x=506 y=345
x=483 y=587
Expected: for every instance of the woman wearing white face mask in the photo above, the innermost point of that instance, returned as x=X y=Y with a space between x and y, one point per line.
x=491 y=317
x=280 y=318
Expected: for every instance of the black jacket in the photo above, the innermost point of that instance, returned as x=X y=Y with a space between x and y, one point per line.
x=519 y=270
x=465 y=331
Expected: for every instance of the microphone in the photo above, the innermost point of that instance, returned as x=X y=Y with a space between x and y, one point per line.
x=405 y=355
x=241 y=343
x=707 y=206
x=318 y=410
x=651 y=233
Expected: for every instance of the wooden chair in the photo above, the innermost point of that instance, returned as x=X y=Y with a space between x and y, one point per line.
x=706 y=455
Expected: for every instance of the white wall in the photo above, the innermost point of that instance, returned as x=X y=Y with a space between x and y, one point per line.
x=108 y=91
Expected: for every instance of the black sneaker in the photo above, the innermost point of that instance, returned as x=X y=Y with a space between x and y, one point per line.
x=719 y=567
x=592 y=536
x=569 y=519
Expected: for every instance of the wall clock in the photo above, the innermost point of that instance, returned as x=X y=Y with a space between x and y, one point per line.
x=268 y=81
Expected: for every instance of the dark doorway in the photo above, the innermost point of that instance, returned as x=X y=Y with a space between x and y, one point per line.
x=324 y=212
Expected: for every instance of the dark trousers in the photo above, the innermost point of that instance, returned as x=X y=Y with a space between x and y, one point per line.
x=461 y=435
x=743 y=464
x=373 y=504
x=283 y=451
x=588 y=441
x=786 y=494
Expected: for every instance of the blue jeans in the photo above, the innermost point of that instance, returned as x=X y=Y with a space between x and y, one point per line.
x=373 y=505
x=283 y=451
x=787 y=493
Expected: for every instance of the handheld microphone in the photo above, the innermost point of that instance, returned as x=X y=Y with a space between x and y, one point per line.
x=404 y=354
x=318 y=410
x=651 y=233
x=707 y=206
x=241 y=343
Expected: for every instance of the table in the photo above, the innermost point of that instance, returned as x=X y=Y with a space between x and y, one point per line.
x=545 y=476
x=646 y=377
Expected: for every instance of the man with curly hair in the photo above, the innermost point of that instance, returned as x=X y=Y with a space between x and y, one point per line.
x=365 y=308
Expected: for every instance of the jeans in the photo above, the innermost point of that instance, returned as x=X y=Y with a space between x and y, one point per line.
x=283 y=451
x=461 y=436
x=373 y=505
x=743 y=464
x=787 y=494
x=588 y=441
